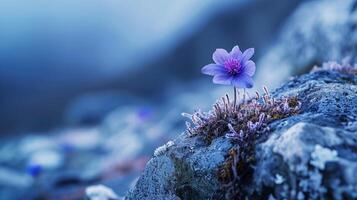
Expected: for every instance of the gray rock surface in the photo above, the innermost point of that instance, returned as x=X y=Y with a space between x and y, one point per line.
x=311 y=155
x=316 y=32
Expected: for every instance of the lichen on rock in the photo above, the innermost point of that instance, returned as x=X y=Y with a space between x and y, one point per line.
x=284 y=163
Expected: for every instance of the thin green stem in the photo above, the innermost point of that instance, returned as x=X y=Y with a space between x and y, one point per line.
x=235 y=98
x=244 y=95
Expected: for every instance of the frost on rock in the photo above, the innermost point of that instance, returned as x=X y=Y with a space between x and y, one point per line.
x=160 y=150
x=101 y=192
x=322 y=155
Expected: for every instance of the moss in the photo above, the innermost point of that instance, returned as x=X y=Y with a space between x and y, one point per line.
x=183 y=175
x=225 y=171
x=244 y=124
x=247 y=118
x=237 y=168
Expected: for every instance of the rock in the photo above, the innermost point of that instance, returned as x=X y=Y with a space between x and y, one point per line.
x=306 y=156
x=48 y=159
x=14 y=184
x=316 y=32
x=82 y=139
x=12 y=178
x=34 y=143
x=310 y=155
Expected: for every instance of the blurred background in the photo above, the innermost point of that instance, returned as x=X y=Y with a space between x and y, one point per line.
x=89 y=89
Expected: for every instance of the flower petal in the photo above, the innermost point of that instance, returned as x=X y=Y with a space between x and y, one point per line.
x=213 y=69
x=247 y=54
x=223 y=79
x=249 y=68
x=236 y=53
x=242 y=81
x=220 y=56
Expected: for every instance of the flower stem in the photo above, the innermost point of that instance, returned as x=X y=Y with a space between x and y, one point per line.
x=235 y=98
x=244 y=95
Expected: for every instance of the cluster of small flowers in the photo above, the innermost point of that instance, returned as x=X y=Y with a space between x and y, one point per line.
x=244 y=124
x=228 y=173
x=248 y=119
x=345 y=67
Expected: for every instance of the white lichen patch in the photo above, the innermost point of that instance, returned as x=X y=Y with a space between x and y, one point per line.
x=279 y=179
x=160 y=150
x=101 y=192
x=322 y=155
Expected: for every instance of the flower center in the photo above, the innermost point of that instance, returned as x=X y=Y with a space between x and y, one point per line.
x=233 y=66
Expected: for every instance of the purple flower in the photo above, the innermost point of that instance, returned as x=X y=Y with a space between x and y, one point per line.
x=233 y=68
x=34 y=170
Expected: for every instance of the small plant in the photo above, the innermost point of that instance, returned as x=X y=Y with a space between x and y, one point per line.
x=248 y=121
x=243 y=123
x=244 y=126
x=345 y=67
